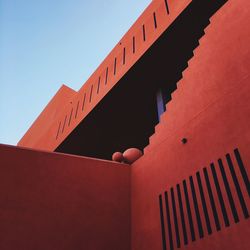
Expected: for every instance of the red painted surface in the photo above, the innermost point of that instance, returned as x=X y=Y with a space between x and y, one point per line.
x=47 y=117
x=67 y=202
x=211 y=109
x=56 y=201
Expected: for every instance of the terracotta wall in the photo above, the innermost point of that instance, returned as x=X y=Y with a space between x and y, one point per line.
x=56 y=201
x=210 y=108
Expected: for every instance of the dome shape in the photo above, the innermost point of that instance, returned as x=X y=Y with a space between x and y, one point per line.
x=117 y=156
x=131 y=155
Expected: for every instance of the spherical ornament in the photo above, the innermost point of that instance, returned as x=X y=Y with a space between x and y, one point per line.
x=131 y=155
x=117 y=156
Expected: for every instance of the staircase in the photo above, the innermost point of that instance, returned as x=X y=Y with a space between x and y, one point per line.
x=181 y=107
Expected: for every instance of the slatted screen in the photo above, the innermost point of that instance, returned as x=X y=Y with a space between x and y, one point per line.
x=208 y=201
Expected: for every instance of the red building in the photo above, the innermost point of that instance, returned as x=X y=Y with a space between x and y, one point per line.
x=177 y=87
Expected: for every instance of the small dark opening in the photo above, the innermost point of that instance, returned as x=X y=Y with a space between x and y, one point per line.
x=133 y=44
x=155 y=21
x=183 y=223
x=58 y=130
x=83 y=102
x=115 y=66
x=77 y=107
x=64 y=123
x=106 y=78
x=170 y=234
x=71 y=112
x=144 y=32
x=166 y=4
x=124 y=55
x=98 y=85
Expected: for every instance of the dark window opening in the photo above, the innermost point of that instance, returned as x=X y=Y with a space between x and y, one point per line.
x=161 y=100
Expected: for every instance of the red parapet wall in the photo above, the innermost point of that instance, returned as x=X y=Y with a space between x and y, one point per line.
x=211 y=110
x=56 y=201
x=47 y=117
x=157 y=17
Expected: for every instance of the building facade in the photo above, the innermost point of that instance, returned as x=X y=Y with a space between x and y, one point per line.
x=176 y=86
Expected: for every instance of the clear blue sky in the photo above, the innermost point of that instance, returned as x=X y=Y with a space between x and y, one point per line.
x=44 y=43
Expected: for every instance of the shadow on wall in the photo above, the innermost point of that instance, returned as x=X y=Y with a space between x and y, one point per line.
x=126 y=117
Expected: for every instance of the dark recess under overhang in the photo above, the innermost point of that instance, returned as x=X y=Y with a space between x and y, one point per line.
x=127 y=115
